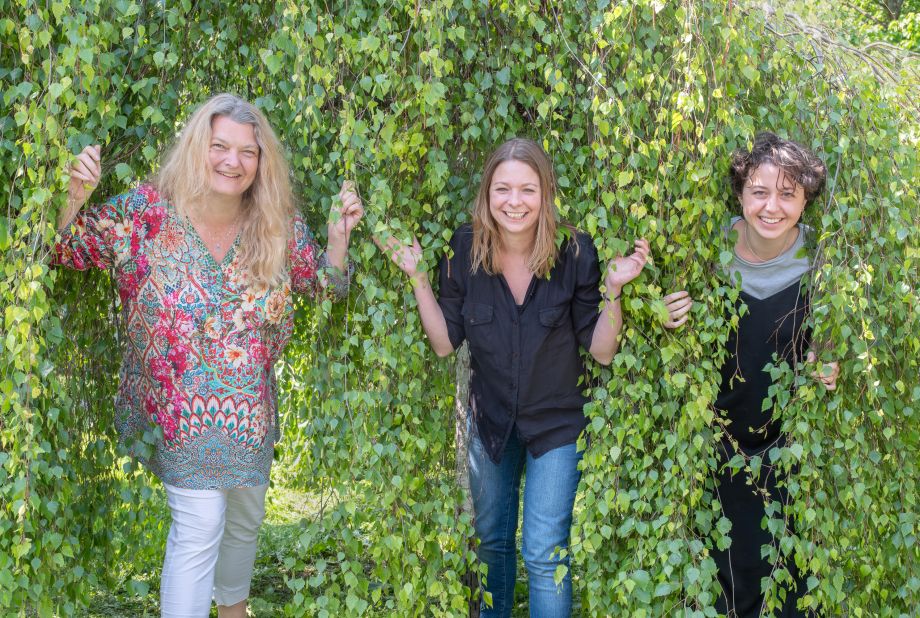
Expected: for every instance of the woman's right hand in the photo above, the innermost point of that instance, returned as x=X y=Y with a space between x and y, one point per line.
x=409 y=258
x=678 y=305
x=84 y=176
x=406 y=257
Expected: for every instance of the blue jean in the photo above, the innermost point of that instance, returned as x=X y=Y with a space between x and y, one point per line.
x=549 y=495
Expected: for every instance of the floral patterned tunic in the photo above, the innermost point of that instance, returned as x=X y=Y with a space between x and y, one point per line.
x=200 y=345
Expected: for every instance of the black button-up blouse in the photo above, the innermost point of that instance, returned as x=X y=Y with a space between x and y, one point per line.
x=524 y=358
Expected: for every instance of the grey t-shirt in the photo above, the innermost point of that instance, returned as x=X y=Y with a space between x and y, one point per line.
x=764 y=279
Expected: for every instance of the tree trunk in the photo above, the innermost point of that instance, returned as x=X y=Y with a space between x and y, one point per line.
x=893 y=8
x=462 y=438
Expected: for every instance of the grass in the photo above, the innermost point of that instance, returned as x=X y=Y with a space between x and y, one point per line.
x=138 y=596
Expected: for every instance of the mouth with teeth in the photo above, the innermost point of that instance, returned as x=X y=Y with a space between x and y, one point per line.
x=515 y=216
x=770 y=220
x=228 y=175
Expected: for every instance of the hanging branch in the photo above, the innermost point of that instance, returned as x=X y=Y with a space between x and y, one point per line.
x=892 y=66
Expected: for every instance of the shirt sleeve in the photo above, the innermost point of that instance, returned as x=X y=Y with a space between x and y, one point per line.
x=311 y=271
x=452 y=275
x=304 y=254
x=105 y=235
x=587 y=296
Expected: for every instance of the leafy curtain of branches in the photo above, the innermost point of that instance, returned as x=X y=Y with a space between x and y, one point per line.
x=639 y=104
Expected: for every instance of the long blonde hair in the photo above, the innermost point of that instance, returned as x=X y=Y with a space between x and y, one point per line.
x=268 y=204
x=487 y=238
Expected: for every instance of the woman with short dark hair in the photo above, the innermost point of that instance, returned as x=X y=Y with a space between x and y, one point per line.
x=774 y=181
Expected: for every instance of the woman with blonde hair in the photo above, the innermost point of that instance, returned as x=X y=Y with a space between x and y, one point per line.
x=525 y=302
x=206 y=258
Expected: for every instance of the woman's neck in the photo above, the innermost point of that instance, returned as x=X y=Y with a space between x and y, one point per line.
x=765 y=249
x=218 y=210
x=514 y=245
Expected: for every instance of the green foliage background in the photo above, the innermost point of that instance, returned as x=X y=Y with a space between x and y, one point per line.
x=879 y=23
x=639 y=104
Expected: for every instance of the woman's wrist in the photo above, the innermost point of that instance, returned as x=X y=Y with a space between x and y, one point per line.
x=419 y=279
x=336 y=252
x=613 y=294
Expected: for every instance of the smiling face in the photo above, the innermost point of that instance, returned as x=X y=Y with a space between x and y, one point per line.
x=771 y=203
x=233 y=157
x=515 y=198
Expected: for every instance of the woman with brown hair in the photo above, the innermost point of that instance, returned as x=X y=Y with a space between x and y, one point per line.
x=206 y=258
x=525 y=304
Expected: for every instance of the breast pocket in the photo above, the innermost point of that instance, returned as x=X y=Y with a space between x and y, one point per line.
x=476 y=314
x=554 y=317
x=477 y=322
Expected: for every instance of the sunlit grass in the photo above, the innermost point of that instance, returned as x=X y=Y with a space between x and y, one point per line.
x=138 y=595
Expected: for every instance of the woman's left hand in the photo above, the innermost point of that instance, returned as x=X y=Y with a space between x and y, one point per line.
x=622 y=270
x=827 y=373
x=345 y=213
x=678 y=305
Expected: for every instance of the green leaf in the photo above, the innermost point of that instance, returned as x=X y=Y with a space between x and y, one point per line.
x=124 y=171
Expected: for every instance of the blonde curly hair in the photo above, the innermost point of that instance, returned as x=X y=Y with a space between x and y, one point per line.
x=268 y=204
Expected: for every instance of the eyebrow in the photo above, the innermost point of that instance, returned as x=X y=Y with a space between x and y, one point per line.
x=503 y=182
x=794 y=188
x=217 y=138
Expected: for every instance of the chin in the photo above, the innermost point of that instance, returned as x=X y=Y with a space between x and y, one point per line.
x=225 y=188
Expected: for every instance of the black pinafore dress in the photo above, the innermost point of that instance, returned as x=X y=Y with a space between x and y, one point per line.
x=772 y=325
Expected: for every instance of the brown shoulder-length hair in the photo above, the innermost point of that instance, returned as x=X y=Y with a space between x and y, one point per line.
x=268 y=204
x=487 y=238
x=796 y=161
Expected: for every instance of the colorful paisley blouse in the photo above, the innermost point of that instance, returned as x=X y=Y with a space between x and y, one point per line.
x=199 y=346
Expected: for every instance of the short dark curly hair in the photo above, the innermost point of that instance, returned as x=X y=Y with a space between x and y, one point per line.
x=797 y=161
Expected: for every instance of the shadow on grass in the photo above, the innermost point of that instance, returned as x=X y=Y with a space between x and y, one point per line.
x=137 y=595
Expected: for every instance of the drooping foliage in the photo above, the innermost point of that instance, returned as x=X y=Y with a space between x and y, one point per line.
x=897 y=21
x=639 y=104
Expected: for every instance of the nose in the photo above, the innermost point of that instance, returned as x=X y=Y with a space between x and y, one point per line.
x=515 y=197
x=232 y=158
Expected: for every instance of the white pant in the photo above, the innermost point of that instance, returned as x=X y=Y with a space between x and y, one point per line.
x=211 y=548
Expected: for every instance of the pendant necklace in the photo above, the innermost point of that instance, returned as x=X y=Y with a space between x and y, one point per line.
x=228 y=234
x=747 y=240
x=226 y=237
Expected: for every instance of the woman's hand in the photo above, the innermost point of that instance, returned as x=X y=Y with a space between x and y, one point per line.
x=622 y=270
x=409 y=259
x=85 y=173
x=828 y=372
x=678 y=305
x=343 y=217
x=345 y=213
x=406 y=257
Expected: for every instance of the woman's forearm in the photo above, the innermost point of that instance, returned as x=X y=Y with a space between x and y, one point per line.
x=336 y=252
x=606 y=337
x=67 y=215
x=432 y=317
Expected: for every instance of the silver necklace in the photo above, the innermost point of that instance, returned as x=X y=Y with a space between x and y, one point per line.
x=229 y=233
x=747 y=240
